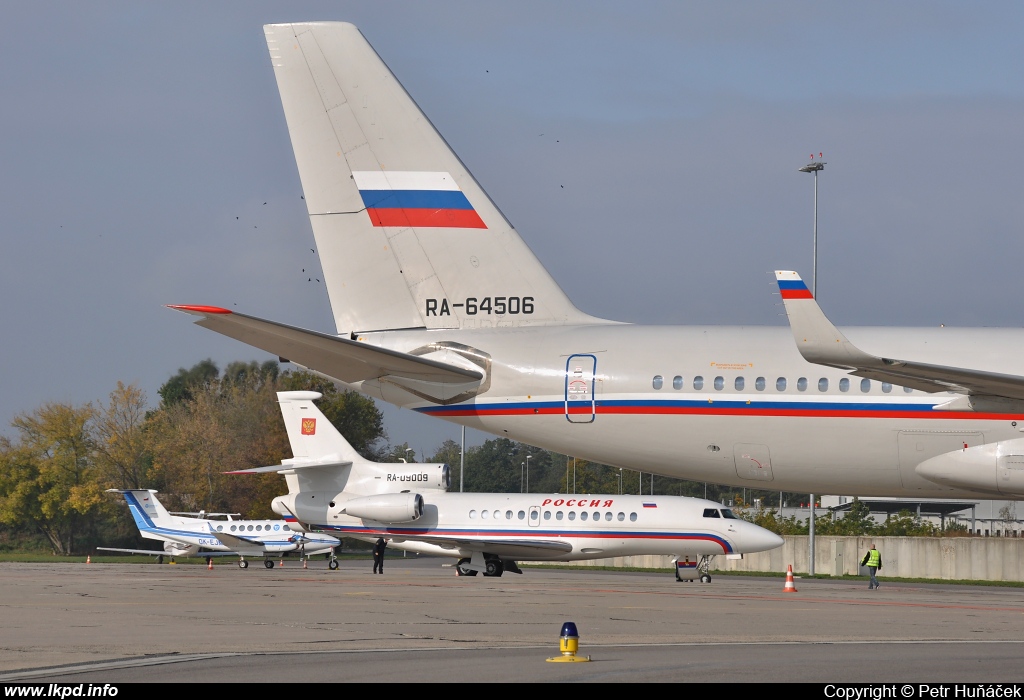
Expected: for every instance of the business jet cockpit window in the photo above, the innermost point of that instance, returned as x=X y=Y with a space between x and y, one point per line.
x=711 y=513
x=728 y=514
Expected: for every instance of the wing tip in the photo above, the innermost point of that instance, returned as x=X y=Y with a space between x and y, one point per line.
x=198 y=309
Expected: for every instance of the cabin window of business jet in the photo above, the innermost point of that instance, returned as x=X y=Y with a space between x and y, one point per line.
x=232 y=528
x=547 y=515
x=698 y=383
x=719 y=383
x=572 y=515
x=801 y=384
x=865 y=386
x=508 y=515
x=584 y=515
x=472 y=514
x=484 y=515
x=823 y=384
x=886 y=387
x=738 y=383
x=608 y=516
x=632 y=517
x=907 y=389
x=559 y=515
x=597 y=516
x=677 y=382
x=258 y=528
x=621 y=516
x=534 y=514
x=759 y=383
x=658 y=381
x=521 y=515
x=220 y=528
x=780 y=384
x=844 y=384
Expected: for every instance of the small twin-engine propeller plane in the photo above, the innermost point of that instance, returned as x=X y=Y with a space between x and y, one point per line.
x=331 y=487
x=440 y=307
x=202 y=536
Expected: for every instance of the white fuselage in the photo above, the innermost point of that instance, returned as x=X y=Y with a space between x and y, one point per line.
x=591 y=391
x=590 y=526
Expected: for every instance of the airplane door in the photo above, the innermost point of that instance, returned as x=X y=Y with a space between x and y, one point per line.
x=579 y=388
x=753 y=462
x=534 y=518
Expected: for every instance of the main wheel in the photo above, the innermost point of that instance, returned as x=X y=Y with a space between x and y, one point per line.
x=705 y=578
x=494 y=568
x=243 y=564
x=333 y=565
x=267 y=563
x=462 y=570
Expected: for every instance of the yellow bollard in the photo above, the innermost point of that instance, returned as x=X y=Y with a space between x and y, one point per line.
x=569 y=644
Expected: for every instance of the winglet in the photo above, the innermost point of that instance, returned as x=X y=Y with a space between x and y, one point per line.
x=817 y=339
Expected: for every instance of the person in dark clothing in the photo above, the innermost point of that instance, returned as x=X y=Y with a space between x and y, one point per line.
x=378 y=555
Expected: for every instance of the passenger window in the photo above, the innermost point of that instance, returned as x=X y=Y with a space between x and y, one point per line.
x=844 y=384
x=865 y=385
x=508 y=515
x=632 y=517
x=250 y=528
x=698 y=383
x=658 y=381
x=719 y=383
x=232 y=528
x=801 y=384
x=780 y=384
x=472 y=515
x=220 y=528
x=558 y=515
x=533 y=515
x=572 y=515
x=677 y=382
x=547 y=515
x=739 y=383
x=728 y=514
x=759 y=383
x=886 y=387
x=823 y=384
x=711 y=513
x=484 y=514
x=608 y=516
x=258 y=528
x=583 y=515
x=521 y=515
x=907 y=389
x=497 y=515
x=621 y=516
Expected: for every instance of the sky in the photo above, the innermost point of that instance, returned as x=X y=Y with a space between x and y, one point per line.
x=146 y=161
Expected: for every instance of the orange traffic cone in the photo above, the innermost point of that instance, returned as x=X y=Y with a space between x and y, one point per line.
x=88 y=559
x=281 y=565
x=790 y=587
x=209 y=563
x=304 y=563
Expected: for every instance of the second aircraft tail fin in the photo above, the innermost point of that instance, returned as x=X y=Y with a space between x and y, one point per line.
x=407 y=238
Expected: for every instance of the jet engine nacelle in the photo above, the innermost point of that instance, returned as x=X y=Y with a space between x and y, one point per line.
x=996 y=468
x=390 y=508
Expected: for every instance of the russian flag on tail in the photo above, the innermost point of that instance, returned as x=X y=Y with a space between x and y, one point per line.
x=794 y=289
x=415 y=199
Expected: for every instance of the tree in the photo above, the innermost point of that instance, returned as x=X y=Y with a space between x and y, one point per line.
x=49 y=478
x=122 y=452
x=180 y=387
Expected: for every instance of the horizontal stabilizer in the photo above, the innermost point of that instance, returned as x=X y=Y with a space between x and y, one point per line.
x=283 y=467
x=346 y=360
x=820 y=342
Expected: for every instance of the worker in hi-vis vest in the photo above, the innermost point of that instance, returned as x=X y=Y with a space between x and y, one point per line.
x=873 y=560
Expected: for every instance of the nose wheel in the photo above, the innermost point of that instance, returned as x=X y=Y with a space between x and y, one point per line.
x=267 y=563
x=243 y=564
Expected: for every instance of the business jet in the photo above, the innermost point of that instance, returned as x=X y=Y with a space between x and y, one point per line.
x=441 y=308
x=206 y=537
x=332 y=488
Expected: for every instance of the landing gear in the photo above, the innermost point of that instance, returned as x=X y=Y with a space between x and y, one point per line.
x=461 y=568
x=694 y=571
x=705 y=578
x=267 y=563
x=333 y=565
x=160 y=559
x=243 y=564
x=494 y=568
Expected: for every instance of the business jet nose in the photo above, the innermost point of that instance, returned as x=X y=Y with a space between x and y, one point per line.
x=754 y=538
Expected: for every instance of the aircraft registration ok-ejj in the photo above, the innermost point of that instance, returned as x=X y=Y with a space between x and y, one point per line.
x=441 y=308
x=205 y=537
x=332 y=488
